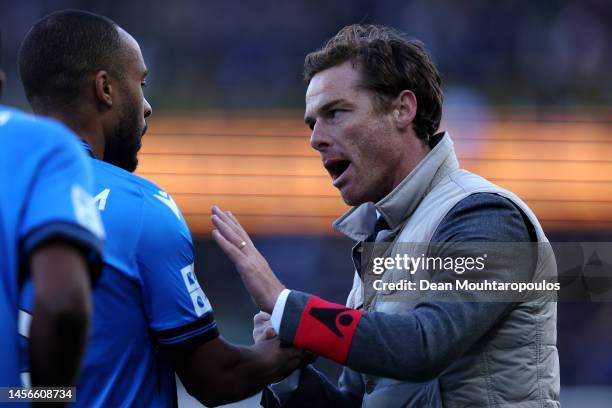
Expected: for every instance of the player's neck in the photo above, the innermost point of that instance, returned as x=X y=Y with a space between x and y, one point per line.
x=89 y=131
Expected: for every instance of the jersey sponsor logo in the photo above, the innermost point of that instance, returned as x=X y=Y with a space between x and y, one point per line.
x=101 y=198
x=85 y=211
x=200 y=302
x=169 y=202
x=189 y=278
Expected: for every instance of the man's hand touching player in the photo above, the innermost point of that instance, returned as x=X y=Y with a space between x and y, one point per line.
x=262 y=327
x=258 y=278
x=263 y=332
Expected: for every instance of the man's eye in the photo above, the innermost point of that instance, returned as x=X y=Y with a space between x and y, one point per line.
x=143 y=84
x=335 y=114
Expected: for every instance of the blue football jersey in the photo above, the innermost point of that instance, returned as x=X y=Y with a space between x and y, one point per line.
x=148 y=299
x=45 y=193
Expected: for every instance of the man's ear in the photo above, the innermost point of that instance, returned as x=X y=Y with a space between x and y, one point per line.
x=405 y=109
x=104 y=90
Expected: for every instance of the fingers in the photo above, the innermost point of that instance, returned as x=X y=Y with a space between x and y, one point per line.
x=230 y=218
x=226 y=231
x=258 y=335
x=234 y=219
x=231 y=250
x=226 y=219
x=261 y=317
x=262 y=334
x=269 y=332
x=263 y=329
x=238 y=225
x=231 y=221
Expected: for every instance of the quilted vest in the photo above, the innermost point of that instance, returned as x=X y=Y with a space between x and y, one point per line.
x=516 y=364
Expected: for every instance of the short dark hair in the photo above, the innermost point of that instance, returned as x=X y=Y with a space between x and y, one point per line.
x=390 y=63
x=61 y=50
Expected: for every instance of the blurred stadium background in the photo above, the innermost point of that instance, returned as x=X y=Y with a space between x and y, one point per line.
x=527 y=101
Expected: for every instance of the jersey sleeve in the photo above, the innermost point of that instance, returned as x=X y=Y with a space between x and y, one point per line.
x=59 y=203
x=180 y=314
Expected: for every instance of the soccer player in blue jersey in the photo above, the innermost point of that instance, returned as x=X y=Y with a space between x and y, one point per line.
x=151 y=317
x=50 y=231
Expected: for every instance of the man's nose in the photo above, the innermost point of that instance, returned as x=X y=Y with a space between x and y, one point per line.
x=147 y=109
x=320 y=138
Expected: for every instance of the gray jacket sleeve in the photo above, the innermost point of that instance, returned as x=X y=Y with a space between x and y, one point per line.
x=315 y=390
x=417 y=346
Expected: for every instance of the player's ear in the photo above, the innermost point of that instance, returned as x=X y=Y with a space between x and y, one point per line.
x=104 y=90
x=405 y=108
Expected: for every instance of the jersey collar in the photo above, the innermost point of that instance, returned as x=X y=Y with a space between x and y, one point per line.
x=87 y=148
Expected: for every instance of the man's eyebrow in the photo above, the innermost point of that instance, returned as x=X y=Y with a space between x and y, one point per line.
x=146 y=72
x=331 y=104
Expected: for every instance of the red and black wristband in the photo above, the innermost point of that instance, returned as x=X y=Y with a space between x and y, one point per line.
x=327 y=329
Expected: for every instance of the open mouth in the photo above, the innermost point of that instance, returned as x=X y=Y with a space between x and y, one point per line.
x=336 y=167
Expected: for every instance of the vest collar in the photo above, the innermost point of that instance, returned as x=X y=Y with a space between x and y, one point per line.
x=401 y=202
